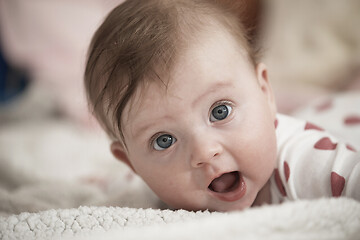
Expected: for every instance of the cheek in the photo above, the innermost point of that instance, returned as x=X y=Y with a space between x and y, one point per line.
x=266 y=150
x=161 y=178
x=255 y=146
x=173 y=189
x=170 y=182
x=160 y=181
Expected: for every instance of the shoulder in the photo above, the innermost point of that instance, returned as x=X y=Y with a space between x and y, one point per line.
x=294 y=133
x=310 y=161
x=289 y=130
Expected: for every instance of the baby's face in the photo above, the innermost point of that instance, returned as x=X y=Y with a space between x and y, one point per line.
x=208 y=141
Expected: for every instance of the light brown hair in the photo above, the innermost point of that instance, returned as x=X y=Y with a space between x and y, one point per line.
x=143 y=38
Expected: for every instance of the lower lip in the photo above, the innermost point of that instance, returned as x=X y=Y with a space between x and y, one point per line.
x=234 y=195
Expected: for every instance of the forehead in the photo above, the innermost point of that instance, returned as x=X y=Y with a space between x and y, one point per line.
x=214 y=56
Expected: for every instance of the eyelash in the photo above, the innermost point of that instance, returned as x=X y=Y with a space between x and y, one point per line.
x=153 y=139
x=218 y=103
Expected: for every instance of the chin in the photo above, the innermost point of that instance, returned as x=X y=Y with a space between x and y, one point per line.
x=235 y=206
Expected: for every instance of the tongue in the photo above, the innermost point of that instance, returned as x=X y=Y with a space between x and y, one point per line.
x=224 y=182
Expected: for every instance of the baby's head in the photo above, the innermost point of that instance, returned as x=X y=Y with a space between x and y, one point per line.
x=176 y=85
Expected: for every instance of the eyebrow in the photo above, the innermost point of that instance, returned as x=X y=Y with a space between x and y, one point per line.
x=213 y=88
x=143 y=129
x=210 y=90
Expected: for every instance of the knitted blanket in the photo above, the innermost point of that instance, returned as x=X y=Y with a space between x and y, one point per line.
x=311 y=219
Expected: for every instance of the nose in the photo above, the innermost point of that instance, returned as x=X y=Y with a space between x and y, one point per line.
x=204 y=150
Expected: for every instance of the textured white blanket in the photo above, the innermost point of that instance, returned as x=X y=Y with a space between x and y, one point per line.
x=317 y=219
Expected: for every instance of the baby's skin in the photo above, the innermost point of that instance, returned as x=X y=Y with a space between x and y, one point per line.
x=206 y=140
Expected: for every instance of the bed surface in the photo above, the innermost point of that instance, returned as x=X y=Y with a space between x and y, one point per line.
x=317 y=219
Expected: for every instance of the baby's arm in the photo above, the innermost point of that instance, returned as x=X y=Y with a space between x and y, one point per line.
x=312 y=163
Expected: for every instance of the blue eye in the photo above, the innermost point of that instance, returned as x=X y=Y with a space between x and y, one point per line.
x=163 y=142
x=220 y=112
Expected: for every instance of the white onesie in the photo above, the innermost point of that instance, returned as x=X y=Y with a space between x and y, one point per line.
x=312 y=163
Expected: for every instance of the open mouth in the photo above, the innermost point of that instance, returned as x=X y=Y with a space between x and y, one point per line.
x=225 y=183
x=228 y=187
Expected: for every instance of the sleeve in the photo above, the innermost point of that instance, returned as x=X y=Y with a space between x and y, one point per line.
x=312 y=164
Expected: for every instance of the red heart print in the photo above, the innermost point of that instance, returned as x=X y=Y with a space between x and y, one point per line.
x=286 y=171
x=324 y=106
x=337 y=184
x=352 y=120
x=279 y=183
x=310 y=126
x=351 y=148
x=325 y=144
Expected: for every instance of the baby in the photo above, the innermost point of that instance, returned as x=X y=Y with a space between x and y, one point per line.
x=179 y=88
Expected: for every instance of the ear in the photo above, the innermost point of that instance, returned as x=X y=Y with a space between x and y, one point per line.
x=263 y=79
x=119 y=152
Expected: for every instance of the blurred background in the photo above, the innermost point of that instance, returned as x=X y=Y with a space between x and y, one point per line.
x=53 y=154
x=312 y=49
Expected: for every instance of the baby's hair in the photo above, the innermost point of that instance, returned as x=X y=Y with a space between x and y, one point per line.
x=143 y=39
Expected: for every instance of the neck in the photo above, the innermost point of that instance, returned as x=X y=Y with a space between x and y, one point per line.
x=263 y=196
